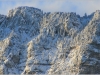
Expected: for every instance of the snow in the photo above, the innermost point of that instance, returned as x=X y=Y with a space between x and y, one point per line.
x=47 y=43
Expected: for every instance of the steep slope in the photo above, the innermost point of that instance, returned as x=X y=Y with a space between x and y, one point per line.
x=20 y=26
x=90 y=40
x=33 y=42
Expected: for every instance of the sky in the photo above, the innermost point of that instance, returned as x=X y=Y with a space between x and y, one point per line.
x=79 y=6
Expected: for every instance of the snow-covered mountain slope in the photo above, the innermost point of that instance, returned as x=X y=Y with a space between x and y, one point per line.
x=33 y=42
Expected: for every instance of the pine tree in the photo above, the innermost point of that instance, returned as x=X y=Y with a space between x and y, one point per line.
x=85 y=15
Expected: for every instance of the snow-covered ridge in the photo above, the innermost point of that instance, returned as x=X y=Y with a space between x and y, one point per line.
x=35 y=42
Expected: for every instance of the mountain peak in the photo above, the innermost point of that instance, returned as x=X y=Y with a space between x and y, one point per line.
x=23 y=9
x=33 y=42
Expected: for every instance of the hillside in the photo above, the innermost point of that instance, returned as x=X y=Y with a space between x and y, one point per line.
x=36 y=42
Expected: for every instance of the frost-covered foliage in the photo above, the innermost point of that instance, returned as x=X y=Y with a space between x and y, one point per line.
x=33 y=42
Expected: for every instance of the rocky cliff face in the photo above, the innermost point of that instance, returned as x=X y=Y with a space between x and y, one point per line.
x=33 y=42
